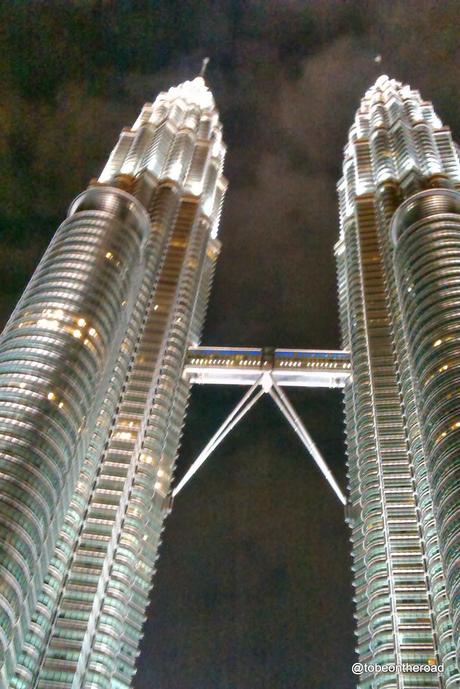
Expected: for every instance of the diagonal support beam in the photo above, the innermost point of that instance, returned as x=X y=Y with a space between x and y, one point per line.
x=241 y=409
x=266 y=384
x=288 y=411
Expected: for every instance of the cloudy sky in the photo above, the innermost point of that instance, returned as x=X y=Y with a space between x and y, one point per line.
x=253 y=589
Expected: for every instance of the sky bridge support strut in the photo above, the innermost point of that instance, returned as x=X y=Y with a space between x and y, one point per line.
x=264 y=383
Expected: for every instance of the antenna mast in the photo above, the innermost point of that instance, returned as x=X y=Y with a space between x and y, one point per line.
x=204 y=64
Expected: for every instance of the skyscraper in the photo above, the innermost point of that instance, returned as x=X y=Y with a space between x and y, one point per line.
x=399 y=279
x=97 y=359
x=92 y=400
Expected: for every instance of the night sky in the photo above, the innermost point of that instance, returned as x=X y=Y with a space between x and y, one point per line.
x=253 y=589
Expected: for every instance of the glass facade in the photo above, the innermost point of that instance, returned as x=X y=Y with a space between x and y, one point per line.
x=405 y=589
x=97 y=360
x=92 y=399
x=426 y=233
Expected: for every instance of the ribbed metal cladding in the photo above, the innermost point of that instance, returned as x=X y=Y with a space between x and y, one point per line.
x=397 y=146
x=388 y=203
x=51 y=601
x=54 y=355
x=165 y=176
x=426 y=233
x=166 y=406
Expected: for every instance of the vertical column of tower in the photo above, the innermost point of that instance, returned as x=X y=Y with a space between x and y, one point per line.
x=55 y=357
x=388 y=156
x=387 y=588
x=88 y=622
x=161 y=202
x=348 y=294
x=432 y=161
x=163 y=205
x=390 y=587
x=178 y=298
x=426 y=232
x=166 y=449
x=388 y=201
x=140 y=582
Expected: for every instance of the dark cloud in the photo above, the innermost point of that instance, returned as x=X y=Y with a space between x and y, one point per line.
x=253 y=588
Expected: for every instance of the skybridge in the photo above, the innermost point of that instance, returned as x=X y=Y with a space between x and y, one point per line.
x=307 y=368
x=266 y=370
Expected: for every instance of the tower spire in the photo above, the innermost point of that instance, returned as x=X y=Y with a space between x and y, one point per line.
x=204 y=64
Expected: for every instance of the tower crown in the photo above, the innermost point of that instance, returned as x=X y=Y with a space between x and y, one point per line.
x=383 y=87
x=382 y=79
x=194 y=91
x=396 y=138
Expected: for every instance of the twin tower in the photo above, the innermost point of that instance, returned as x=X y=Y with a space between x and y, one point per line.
x=97 y=361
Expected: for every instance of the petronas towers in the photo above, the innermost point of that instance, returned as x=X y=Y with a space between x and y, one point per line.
x=92 y=399
x=93 y=393
x=398 y=262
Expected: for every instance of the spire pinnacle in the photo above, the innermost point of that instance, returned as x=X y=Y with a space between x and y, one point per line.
x=204 y=64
